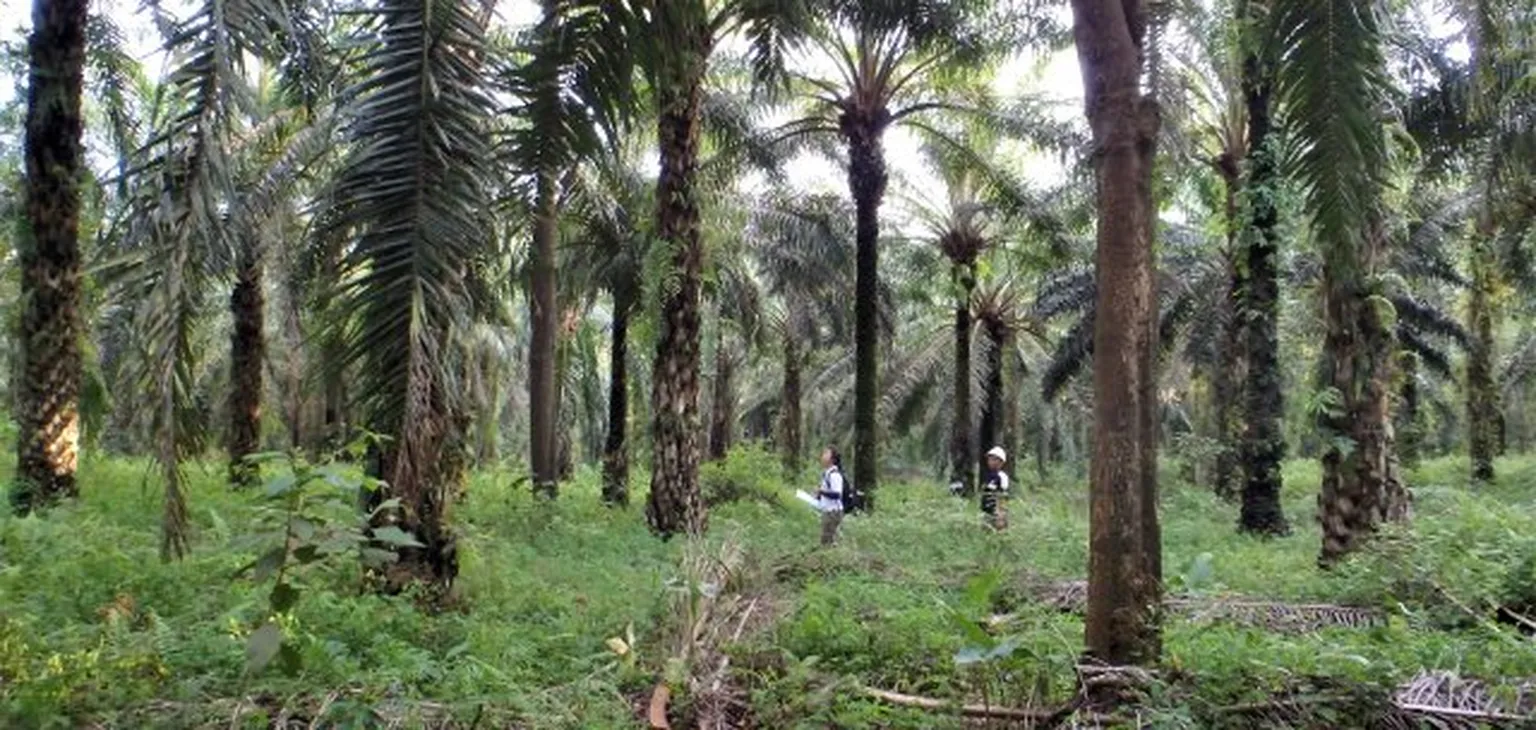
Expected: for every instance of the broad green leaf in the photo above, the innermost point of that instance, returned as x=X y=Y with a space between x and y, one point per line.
x=302 y=529
x=269 y=563
x=262 y=646
x=394 y=536
x=281 y=485
x=375 y=558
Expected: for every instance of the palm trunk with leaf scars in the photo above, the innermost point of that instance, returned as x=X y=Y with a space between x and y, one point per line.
x=864 y=130
x=962 y=456
x=722 y=416
x=1482 y=392
x=1227 y=378
x=543 y=388
x=615 y=447
x=247 y=354
x=1263 y=444
x=48 y=409
x=1361 y=486
x=1125 y=547
x=1409 y=429
x=675 y=505
x=789 y=409
x=992 y=396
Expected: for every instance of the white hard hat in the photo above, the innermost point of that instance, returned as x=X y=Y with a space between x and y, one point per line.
x=999 y=453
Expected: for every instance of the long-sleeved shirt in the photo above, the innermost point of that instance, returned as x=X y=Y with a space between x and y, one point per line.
x=829 y=496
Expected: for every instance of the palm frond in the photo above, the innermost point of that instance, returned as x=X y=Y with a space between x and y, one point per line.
x=413 y=199
x=1331 y=86
x=1070 y=356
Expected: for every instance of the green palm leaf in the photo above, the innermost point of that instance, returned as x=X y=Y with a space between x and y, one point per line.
x=412 y=199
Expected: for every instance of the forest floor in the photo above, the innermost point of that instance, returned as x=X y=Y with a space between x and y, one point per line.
x=567 y=614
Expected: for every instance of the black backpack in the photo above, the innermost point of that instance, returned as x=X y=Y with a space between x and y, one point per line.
x=853 y=499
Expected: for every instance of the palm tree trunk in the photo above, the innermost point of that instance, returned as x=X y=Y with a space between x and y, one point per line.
x=962 y=455
x=1360 y=487
x=544 y=313
x=674 y=504
x=1125 y=548
x=992 y=397
x=867 y=177
x=789 y=409
x=333 y=368
x=1012 y=375
x=293 y=376
x=247 y=352
x=1482 y=392
x=1228 y=376
x=48 y=414
x=565 y=421
x=1410 y=428
x=615 y=449
x=1263 y=444
x=722 y=416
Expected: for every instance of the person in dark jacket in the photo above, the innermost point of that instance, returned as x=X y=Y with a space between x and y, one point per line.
x=994 y=489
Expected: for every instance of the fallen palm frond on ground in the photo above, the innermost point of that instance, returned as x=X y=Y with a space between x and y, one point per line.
x=713 y=607
x=1445 y=696
x=1072 y=596
x=301 y=712
x=1433 y=699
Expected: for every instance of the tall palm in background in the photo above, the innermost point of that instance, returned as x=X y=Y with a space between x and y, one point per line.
x=896 y=62
x=799 y=244
x=180 y=236
x=609 y=245
x=279 y=159
x=1492 y=135
x=573 y=91
x=984 y=207
x=51 y=323
x=1263 y=444
x=1208 y=124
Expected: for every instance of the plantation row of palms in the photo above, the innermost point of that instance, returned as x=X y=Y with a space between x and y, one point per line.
x=376 y=187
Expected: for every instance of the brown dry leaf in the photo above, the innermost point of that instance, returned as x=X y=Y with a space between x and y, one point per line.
x=658 y=711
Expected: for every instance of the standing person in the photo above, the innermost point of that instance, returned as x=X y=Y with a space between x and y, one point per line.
x=994 y=489
x=829 y=495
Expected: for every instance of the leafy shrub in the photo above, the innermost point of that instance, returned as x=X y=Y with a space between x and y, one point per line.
x=749 y=472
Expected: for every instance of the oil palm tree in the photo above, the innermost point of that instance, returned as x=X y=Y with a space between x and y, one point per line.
x=51 y=323
x=281 y=154
x=799 y=244
x=1331 y=85
x=1207 y=126
x=680 y=37
x=608 y=246
x=179 y=237
x=411 y=201
x=1477 y=118
x=984 y=208
x=574 y=90
x=894 y=62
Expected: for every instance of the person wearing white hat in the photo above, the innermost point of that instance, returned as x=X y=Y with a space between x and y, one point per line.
x=994 y=489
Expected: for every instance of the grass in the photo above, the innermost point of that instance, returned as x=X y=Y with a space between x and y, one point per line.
x=544 y=586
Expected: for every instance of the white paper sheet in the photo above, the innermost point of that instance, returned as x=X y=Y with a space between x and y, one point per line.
x=808 y=499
